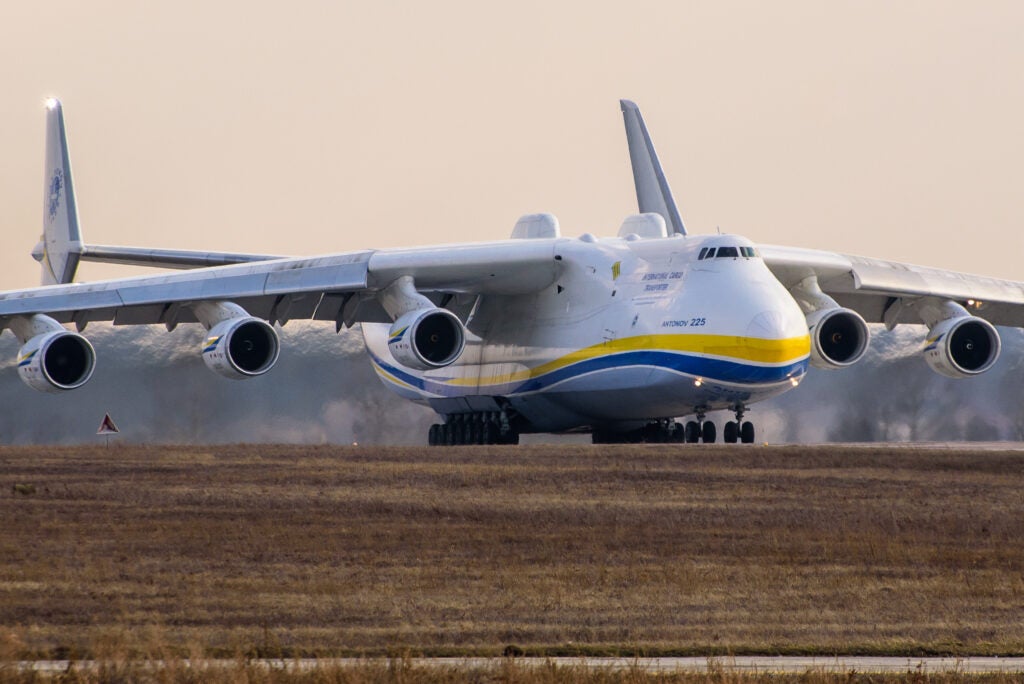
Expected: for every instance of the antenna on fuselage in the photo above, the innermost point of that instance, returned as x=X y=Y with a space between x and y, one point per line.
x=653 y=193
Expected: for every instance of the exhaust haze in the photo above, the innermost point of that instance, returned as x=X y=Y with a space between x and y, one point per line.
x=323 y=390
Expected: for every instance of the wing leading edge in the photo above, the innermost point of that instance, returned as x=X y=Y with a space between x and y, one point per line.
x=294 y=288
x=876 y=289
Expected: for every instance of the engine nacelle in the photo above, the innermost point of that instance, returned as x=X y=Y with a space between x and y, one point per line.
x=427 y=338
x=241 y=348
x=962 y=347
x=839 y=337
x=56 y=361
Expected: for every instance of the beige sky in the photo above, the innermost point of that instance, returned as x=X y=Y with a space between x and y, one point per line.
x=892 y=129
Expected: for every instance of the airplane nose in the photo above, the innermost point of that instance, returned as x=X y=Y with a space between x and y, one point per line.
x=769 y=325
x=781 y=327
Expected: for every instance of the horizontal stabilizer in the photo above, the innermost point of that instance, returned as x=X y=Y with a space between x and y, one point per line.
x=167 y=258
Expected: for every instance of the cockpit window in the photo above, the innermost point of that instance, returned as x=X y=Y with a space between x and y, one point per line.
x=725 y=252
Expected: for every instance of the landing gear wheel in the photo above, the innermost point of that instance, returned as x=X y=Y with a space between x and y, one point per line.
x=678 y=433
x=747 y=433
x=449 y=434
x=692 y=432
x=432 y=434
x=731 y=432
x=709 y=432
x=487 y=433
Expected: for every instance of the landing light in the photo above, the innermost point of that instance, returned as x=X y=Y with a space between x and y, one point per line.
x=698 y=382
x=794 y=381
x=975 y=304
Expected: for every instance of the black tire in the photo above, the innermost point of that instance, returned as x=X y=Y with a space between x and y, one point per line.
x=747 y=433
x=432 y=435
x=709 y=432
x=487 y=432
x=692 y=432
x=678 y=433
x=731 y=432
x=449 y=434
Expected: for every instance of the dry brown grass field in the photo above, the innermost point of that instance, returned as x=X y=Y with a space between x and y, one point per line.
x=292 y=550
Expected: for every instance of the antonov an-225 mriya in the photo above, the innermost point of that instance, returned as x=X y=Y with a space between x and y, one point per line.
x=539 y=333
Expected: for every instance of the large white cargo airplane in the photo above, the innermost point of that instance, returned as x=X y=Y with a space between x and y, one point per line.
x=540 y=333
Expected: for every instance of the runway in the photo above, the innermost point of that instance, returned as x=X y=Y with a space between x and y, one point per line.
x=700 y=665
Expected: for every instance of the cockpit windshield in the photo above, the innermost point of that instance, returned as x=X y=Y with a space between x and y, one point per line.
x=726 y=252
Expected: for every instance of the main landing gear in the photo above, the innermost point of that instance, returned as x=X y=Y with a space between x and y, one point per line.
x=692 y=432
x=485 y=427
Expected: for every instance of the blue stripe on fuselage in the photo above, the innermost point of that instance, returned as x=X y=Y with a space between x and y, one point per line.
x=707 y=368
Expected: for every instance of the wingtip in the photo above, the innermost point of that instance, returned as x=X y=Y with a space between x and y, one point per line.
x=628 y=105
x=52 y=103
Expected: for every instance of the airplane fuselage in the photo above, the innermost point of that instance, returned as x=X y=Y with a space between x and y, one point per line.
x=631 y=330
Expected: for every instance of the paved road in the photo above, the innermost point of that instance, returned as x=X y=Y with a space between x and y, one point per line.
x=752 y=664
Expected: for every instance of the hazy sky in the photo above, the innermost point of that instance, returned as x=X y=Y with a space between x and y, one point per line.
x=892 y=129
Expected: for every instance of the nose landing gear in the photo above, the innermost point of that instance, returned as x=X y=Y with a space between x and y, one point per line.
x=738 y=429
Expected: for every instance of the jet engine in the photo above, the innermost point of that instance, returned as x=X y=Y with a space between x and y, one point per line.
x=242 y=347
x=55 y=361
x=961 y=347
x=839 y=337
x=427 y=338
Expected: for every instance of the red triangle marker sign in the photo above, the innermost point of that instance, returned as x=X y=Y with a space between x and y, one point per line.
x=107 y=427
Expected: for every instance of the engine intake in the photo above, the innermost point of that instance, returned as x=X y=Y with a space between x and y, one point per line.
x=839 y=338
x=241 y=348
x=427 y=338
x=962 y=347
x=56 y=361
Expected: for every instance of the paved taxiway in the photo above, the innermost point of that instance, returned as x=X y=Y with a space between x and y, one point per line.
x=746 y=664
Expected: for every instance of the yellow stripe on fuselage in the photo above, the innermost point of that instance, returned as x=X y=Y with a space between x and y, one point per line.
x=386 y=375
x=754 y=349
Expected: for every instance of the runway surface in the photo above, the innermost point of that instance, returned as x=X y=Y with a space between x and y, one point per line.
x=744 y=664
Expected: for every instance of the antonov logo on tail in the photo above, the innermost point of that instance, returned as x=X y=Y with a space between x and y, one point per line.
x=56 y=187
x=529 y=334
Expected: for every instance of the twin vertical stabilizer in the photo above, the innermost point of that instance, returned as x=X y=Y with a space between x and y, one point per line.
x=60 y=246
x=653 y=193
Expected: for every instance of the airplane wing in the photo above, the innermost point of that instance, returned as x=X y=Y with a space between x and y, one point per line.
x=871 y=287
x=346 y=288
x=279 y=290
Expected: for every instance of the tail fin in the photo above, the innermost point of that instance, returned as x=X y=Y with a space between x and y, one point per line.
x=652 y=191
x=60 y=246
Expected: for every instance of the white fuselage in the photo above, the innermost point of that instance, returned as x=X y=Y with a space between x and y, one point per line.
x=631 y=330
